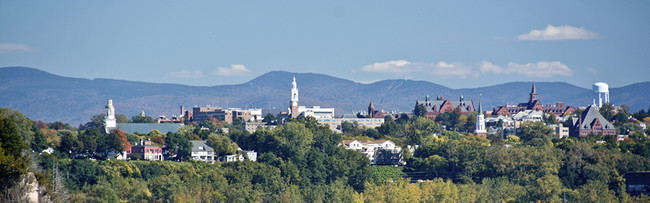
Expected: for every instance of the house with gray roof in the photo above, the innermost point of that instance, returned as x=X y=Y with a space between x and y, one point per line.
x=202 y=152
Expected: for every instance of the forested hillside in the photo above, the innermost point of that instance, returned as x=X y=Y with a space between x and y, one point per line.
x=303 y=162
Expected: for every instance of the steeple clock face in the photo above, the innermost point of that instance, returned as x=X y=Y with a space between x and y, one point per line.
x=294 y=103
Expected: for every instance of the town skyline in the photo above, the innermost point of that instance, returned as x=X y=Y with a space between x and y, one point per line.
x=215 y=43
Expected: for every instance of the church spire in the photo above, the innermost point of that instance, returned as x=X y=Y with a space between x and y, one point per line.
x=534 y=90
x=480 y=121
x=533 y=94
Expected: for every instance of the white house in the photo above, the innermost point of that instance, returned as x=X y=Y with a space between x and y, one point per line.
x=202 y=152
x=379 y=152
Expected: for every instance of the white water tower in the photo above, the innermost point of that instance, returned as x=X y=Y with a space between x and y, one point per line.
x=601 y=93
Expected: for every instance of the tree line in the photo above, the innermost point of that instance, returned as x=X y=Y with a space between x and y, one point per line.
x=303 y=162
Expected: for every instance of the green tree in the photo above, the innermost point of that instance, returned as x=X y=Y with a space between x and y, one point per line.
x=294 y=140
x=97 y=121
x=24 y=126
x=89 y=140
x=349 y=127
x=470 y=123
x=121 y=118
x=389 y=127
x=58 y=125
x=269 y=119
x=142 y=119
x=607 y=110
x=451 y=119
x=419 y=110
x=535 y=133
x=373 y=133
x=179 y=146
x=549 y=119
x=40 y=141
x=69 y=143
x=546 y=189
x=222 y=145
x=513 y=140
x=419 y=128
x=12 y=163
x=111 y=143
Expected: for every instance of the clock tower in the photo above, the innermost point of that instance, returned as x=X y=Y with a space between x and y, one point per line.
x=294 y=99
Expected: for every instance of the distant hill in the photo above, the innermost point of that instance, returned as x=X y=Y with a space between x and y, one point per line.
x=44 y=96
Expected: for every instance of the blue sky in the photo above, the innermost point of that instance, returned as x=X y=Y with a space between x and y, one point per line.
x=453 y=43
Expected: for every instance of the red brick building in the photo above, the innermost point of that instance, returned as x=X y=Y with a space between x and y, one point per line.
x=591 y=122
x=442 y=105
x=559 y=109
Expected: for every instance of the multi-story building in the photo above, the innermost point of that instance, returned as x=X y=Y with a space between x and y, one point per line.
x=228 y=115
x=560 y=130
x=591 y=122
x=379 y=152
x=316 y=112
x=442 y=105
x=146 y=151
x=335 y=123
x=251 y=127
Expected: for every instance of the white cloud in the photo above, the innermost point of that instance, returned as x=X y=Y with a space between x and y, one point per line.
x=394 y=66
x=562 y=32
x=187 y=74
x=14 y=48
x=489 y=67
x=542 y=69
x=233 y=70
x=402 y=67
x=457 y=70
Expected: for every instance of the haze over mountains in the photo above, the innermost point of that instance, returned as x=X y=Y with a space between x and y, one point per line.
x=47 y=97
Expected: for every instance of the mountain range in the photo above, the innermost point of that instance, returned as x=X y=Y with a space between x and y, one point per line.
x=48 y=97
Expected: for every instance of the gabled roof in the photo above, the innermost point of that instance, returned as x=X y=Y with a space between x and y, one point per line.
x=130 y=128
x=590 y=114
x=198 y=144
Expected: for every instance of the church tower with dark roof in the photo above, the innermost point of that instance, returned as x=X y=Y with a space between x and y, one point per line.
x=371 y=110
x=533 y=101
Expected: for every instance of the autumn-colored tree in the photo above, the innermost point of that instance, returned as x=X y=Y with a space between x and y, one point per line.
x=123 y=137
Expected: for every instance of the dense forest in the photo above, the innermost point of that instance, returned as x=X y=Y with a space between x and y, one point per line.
x=303 y=162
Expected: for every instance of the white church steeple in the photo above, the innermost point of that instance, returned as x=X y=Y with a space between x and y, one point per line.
x=294 y=99
x=480 y=121
x=110 y=122
x=294 y=91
